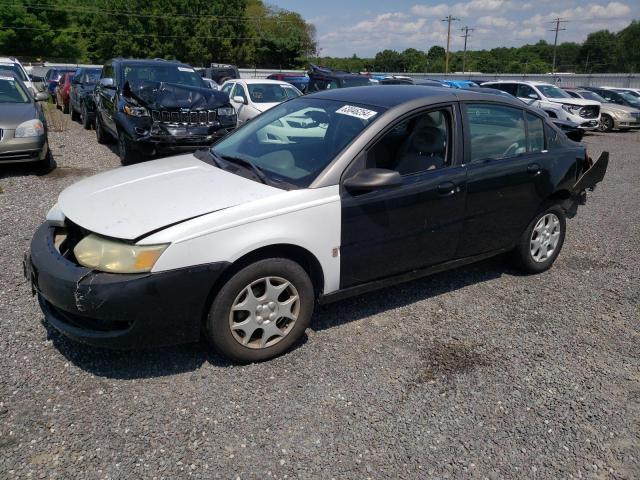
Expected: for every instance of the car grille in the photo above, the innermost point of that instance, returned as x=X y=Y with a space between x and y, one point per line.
x=186 y=117
x=633 y=114
x=590 y=111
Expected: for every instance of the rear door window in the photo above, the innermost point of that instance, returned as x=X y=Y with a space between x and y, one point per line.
x=496 y=131
x=535 y=133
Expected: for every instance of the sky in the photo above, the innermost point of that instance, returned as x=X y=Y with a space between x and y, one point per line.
x=364 y=27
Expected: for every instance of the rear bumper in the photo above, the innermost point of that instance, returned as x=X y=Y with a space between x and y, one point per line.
x=123 y=311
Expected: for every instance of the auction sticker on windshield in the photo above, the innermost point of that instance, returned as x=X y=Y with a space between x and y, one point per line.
x=358 y=112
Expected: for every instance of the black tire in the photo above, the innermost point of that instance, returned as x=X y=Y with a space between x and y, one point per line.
x=606 y=123
x=126 y=151
x=217 y=326
x=75 y=116
x=47 y=165
x=84 y=117
x=522 y=255
x=102 y=136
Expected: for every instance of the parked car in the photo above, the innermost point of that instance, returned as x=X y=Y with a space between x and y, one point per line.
x=429 y=83
x=252 y=97
x=395 y=80
x=156 y=105
x=612 y=115
x=620 y=98
x=81 y=101
x=633 y=91
x=52 y=77
x=322 y=78
x=62 y=91
x=23 y=127
x=553 y=100
x=12 y=66
x=240 y=241
x=219 y=72
x=570 y=129
x=298 y=80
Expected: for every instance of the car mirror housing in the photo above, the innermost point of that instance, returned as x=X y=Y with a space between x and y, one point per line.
x=239 y=99
x=42 y=97
x=373 y=179
x=107 y=82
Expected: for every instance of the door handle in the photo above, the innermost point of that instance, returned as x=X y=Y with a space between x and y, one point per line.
x=447 y=188
x=534 y=169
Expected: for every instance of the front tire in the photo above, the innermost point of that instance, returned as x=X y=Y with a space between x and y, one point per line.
x=261 y=311
x=84 y=117
x=126 y=151
x=102 y=136
x=541 y=242
x=75 y=116
x=606 y=123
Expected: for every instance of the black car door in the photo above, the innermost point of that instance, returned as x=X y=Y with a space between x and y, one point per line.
x=106 y=100
x=508 y=175
x=416 y=224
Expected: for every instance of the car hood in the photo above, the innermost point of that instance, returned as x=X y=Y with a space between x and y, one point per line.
x=614 y=107
x=574 y=101
x=129 y=202
x=160 y=95
x=13 y=114
x=263 y=107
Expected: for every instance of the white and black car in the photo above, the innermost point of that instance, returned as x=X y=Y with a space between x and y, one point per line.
x=553 y=100
x=320 y=197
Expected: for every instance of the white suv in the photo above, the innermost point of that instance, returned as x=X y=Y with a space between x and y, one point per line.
x=553 y=100
x=14 y=66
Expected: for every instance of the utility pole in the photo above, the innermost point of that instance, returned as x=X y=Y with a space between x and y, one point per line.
x=449 y=19
x=466 y=35
x=557 y=29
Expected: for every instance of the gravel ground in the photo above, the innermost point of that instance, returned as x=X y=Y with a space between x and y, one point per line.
x=474 y=373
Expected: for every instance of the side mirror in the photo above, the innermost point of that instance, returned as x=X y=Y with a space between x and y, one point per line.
x=107 y=82
x=533 y=96
x=239 y=99
x=42 y=97
x=373 y=179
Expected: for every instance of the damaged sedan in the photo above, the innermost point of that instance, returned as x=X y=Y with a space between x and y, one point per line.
x=321 y=197
x=151 y=106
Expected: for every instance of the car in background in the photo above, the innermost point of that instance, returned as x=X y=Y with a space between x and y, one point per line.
x=252 y=97
x=219 y=72
x=298 y=80
x=237 y=244
x=393 y=80
x=612 y=115
x=81 y=102
x=620 y=98
x=633 y=91
x=323 y=78
x=429 y=83
x=459 y=83
x=52 y=77
x=149 y=106
x=12 y=66
x=62 y=91
x=23 y=127
x=553 y=100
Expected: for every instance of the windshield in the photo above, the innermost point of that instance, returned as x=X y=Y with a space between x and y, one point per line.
x=92 y=76
x=630 y=98
x=294 y=141
x=551 y=91
x=137 y=74
x=13 y=67
x=12 y=92
x=630 y=92
x=592 y=96
x=355 y=81
x=270 y=92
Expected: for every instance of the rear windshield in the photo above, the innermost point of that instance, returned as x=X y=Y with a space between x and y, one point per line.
x=11 y=91
x=136 y=74
x=13 y=67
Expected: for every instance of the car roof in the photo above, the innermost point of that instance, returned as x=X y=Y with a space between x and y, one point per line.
x=251 y=81
x=146 y=61
x=389 y=96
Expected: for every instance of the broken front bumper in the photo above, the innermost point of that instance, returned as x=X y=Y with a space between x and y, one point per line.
x=118 y=310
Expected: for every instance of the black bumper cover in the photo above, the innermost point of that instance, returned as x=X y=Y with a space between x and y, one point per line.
x=123 y=311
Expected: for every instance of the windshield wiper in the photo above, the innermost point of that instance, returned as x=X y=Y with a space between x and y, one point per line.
x=248 y=165
x=208 y=156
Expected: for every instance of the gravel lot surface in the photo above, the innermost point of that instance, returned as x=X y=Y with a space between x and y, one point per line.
x=474 y=373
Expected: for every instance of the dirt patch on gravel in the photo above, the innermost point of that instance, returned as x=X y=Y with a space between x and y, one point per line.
x=64 y=172
x=444 y=360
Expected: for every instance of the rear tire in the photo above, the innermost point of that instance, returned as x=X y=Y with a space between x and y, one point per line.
x=75 y=116
x=541 y=242
x=271 y=301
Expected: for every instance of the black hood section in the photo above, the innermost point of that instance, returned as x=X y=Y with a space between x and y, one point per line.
x=161 y=95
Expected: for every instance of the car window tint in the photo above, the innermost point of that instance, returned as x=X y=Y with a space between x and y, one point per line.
x=267 y=93
x=227 y=88
x=510 y=88
x=496 y=131
x=535 y=133
x=524 y=91
x=238 y=91
x=11 y=91
x=554 y=138
x=415 y=145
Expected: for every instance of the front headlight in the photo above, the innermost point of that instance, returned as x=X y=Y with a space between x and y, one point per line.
x=30 y=128
x=572 y=109
x=226 y=111
x=114 y=256
x=135 y=111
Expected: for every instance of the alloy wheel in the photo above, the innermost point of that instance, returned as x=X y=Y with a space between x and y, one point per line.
x=545 y=237
x=264 y=312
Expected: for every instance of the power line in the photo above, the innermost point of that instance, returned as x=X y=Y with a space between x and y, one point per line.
x=466 y=35
x=557 y=21
x=449 y=19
